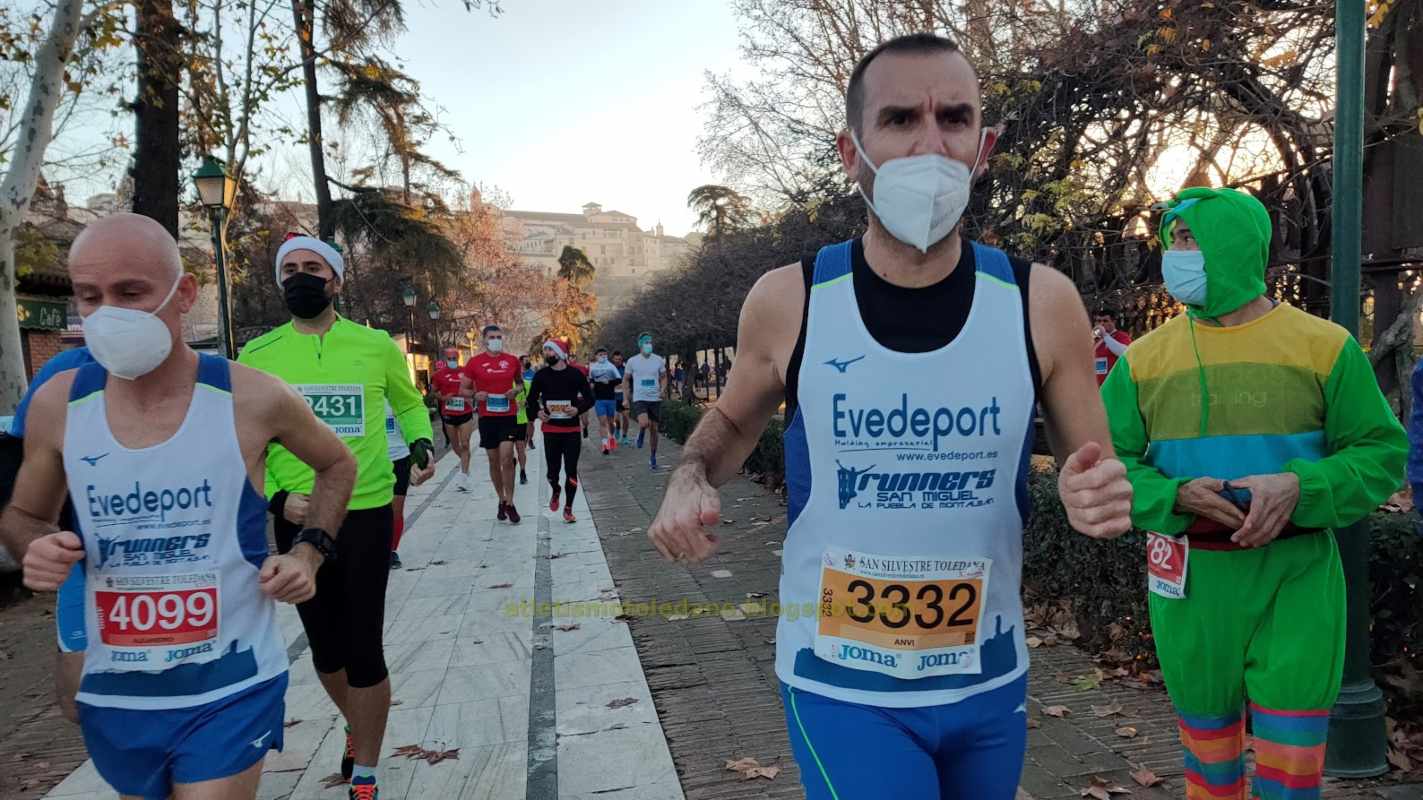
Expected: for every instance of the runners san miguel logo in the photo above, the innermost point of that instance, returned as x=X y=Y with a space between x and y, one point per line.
x=931 y=447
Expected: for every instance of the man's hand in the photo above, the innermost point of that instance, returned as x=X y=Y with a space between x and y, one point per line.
x=691 y=506
x=512 y=393
x=295 y=508
x=1202 y=498
x=480 y=397
x=419 y=475
x=1096 y=493
x=290 y=578
x=1272 y=501
x=48 y=560
x=543 y=416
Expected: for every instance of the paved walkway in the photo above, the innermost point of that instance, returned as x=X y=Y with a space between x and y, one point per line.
x=534 y=711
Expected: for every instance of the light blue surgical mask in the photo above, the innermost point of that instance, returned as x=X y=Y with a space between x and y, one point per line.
x=647 y=348
x=1184 y=272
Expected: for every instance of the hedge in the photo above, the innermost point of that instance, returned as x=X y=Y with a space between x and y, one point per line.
x=1104 y=583
x=766 y=463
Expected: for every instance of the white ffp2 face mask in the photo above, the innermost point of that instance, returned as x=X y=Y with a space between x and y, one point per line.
x=496 y=345
x=919 y=199
x=127 y=342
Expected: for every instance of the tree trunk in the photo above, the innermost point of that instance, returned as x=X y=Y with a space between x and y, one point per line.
x=304 y=12
x=155 y=169
x=36 y=129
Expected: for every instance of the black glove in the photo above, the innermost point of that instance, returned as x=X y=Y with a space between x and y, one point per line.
x=420 y=451
x=278 y=504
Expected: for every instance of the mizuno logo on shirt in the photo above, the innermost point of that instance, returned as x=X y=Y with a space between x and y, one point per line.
x=842 y=366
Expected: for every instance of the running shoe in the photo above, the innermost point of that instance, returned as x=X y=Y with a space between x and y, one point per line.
x=553 y=501
x=364 y=790
x=513 y=514
x=568 y=515
x=613 y=442
x=503 y=511
x=654 y=463
x=395 y=560
x=523 y=477
x=641 y=433
x=585 y=433
x=348 y=761
x=605 y=448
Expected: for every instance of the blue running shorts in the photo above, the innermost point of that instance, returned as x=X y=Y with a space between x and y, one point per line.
x=605 y=408
x=970 y=750
x=69 y=612
x=144 y=753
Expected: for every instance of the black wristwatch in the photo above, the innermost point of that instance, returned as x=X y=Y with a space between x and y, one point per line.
x=318 y=539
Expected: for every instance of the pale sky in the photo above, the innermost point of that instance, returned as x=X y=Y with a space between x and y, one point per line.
x=561 y=102
x=556 y=102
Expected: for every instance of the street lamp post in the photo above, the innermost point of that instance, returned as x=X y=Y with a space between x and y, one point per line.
x=434 y=311
x=407 y=296
x=216 y=190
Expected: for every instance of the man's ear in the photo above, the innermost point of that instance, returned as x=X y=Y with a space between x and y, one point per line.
x=849 y=156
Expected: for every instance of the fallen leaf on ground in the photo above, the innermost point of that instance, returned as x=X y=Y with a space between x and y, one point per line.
x=769 y=773
x=552 y=556
x=621 y=701
x=438 y=563
x=751 y=768
x=677 y=617
x=1091 y=680
x=1146 y=777
x=623 y=618
x=433 y=757
x=292 y=723
x=728 y=521
x=741 y=764
x=1107 y=711
x=571 y=626
x=754 y=595
x=1126 y=732
x=501 y=586
x=1399 y=759
x=1057 y=711
x=771 y=640
x=408 y=750
x=1032 y=723
x=1033 y=642
x=333 y=780
x=1102 y=789
x=1068 y=630
x=397 y=702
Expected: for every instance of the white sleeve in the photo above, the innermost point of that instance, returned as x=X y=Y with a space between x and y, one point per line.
x=1113 y=345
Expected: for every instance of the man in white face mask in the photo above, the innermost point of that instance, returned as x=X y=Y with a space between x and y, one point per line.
x=185 y=670
x=910 y=362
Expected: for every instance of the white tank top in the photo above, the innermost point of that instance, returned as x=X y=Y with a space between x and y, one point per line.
x=174 y=537
x=907 y=481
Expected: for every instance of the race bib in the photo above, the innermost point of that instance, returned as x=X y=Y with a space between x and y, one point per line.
x=1166 y=561
x=496 y=403
x=158 y=610
x=906 y=616
x=647 y=383
x=1101 y=366
x=561 y=409
x=455 y=404
x=342 y=406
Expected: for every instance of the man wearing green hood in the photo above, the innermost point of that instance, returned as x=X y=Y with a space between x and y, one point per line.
x=1250 y=431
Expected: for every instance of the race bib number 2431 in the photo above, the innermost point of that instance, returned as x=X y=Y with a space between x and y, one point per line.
x=906 y=616
x=342 y=406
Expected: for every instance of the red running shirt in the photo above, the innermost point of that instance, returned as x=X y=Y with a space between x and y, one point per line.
x=1104 y=359
x=494 y=373
x=447 y=384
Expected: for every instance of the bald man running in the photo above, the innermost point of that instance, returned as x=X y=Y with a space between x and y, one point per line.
x=164 y=452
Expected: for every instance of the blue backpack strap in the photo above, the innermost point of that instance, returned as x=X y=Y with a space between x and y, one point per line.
x=89 y=380
x=832 y=263
x=993 y=262
x=215 y=371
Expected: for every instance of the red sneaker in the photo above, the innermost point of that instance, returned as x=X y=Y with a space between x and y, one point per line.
x=553 y=501
x=568 y=515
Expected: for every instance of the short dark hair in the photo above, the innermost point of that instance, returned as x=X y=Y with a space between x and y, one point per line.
x=488 y=329
x=1105 y=311
x=910 y=44
x=617 y=352
x=600 y=350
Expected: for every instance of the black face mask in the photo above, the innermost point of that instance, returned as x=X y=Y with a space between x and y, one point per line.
x=306 y=295
x=550 y=360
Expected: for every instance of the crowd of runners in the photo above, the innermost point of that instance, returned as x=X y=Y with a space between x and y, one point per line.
x=909 y=363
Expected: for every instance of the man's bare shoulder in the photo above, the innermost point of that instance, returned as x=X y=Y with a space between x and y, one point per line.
x=776 y=296
x=45 y=416
x=256 y=393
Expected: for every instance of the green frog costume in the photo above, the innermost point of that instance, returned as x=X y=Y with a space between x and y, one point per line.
x=1284 y=393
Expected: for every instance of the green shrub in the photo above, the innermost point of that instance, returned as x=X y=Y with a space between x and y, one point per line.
x=767 y=462
x=1104 y=582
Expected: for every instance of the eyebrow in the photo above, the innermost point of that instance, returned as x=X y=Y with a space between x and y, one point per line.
x=300 y=264
x=955 y=111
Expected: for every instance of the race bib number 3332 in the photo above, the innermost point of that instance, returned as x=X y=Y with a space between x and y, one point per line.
x=342 y=406
x=906 y=616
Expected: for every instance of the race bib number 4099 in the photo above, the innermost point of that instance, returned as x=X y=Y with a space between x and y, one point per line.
x=906 y=616
x=159 y=611
x=342 y=406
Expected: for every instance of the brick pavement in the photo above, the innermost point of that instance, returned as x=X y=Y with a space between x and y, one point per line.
x=713 y=676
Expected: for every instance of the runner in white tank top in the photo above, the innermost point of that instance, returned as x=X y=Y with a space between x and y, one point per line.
x=900 y=643
x=185 y=671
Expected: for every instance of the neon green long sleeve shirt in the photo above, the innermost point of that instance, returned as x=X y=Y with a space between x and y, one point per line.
x=1287 y=392
x=347 y=376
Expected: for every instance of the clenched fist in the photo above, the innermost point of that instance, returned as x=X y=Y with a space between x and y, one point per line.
x=690 y=511
x=49 y=559
x=1096 y=493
